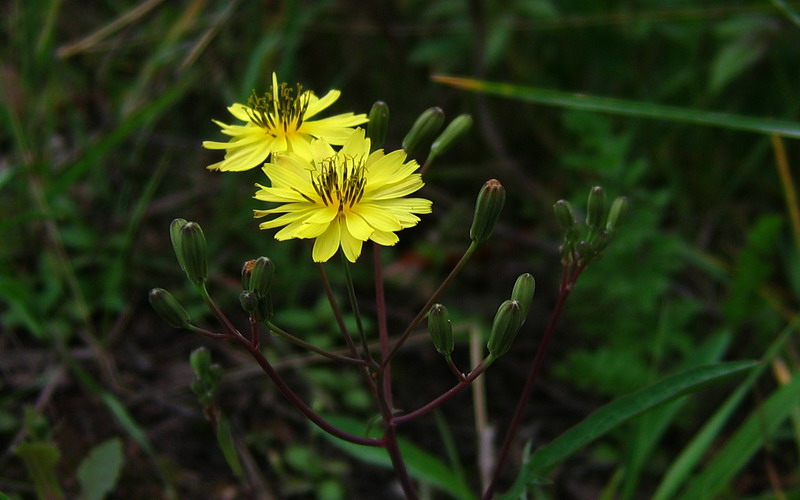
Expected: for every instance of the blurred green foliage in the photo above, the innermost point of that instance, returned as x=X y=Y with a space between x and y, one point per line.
x=103 y=109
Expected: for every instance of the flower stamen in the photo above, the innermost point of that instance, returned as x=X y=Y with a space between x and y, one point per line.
x=280 y=111
x=340 y=181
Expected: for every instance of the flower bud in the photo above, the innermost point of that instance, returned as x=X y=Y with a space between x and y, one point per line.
x=378 y=124
x=261 y=275
x=168 y=308
x=596 y=208
x=523 y=291
x=247 y=270
x=423 y=130
x=565 y=216
x=619 y=209
x=487 y=210
x=249 y=301
x=506 y=324
x=175 y=237
x=440 y=329
x=265 y=307
x=193 y=249
x=452 y=133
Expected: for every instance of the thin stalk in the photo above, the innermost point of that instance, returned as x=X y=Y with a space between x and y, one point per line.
x=383 y=328
x=221 y=317
x=416 y=321
x=568 y=278
x=389 y=441
x=789 y=191
x=313 y=348
x=351 y=293
x=444 y=397
x=337 y=312
x=300 y=404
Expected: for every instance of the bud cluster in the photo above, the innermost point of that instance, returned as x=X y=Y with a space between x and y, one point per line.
x=256 y=297
x=601 y=225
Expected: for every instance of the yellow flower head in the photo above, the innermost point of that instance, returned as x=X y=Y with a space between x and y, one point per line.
x=342 y=198
x=280 y=122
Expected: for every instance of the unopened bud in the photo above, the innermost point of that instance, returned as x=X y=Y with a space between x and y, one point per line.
x=619 y=209
x=175 y=237
x=247 y=270
x=506 y=324
x=487 y=209
x=265 y=307
x=523 y=291
x=249 y=301
x=440 y=329
x=193 y=249
x=423 y=130
x=261 y=275
x=596 y=209
x=168 y=308
x=565 y=216
x=378 y=124
x=452 y=134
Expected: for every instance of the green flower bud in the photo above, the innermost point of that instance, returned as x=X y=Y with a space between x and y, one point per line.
x=487 y=209
x=565 y=216
x=596 y=208
x=247 y=270
x=452 y=133
x=249 y=301
x=423 y=130
x=265 y=307
x=207 y=375
x=193 y=249
x=619 y=209
x=440 y=329
x=261 y=275
x=506 y=324
x=378 y=124
x=168 y=308
x=523 y=291
x=175 y=236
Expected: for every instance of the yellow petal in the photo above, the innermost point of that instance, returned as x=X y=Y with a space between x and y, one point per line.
x=239 y=111
x=357 y=226
x=316 y=105
x=356 y=145
x=384 y=238
x=326 y=244
x=350 y=244
x=377 y=218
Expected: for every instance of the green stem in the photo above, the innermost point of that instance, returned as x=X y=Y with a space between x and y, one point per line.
x=311 y=347
x=416 y=321
x=351 y=293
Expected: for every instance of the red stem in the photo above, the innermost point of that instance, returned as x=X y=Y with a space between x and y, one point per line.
x=567 y=281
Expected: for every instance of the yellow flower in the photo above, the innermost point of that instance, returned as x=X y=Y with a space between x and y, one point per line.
x=280 y=122
x=342 y=198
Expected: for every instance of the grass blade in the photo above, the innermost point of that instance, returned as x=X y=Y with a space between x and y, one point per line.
x=620 y=411
x=624 y=107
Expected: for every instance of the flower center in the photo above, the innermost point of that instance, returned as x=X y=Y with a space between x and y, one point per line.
x=340 y=181
x=279 y=113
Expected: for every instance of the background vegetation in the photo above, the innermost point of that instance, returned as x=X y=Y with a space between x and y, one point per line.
x=104 y=107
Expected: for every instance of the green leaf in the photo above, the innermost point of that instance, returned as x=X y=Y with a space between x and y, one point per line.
x=620 y=411
x=760 y=425
x=733 y=60
x=624 y=107
x=41 y=458
x=99 y=471
x=421 y=464
x=226 y=444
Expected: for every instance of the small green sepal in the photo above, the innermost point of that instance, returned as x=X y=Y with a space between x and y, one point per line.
x=440 y=329
x=487 y=209
x=596 y=209
x=523 y=291
x=505 y=326
x=168 y=308
x=378 y=125
x=454 y=131
x=175 y=237
x=424 y=129
x=619 y=209
x=193 y=249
